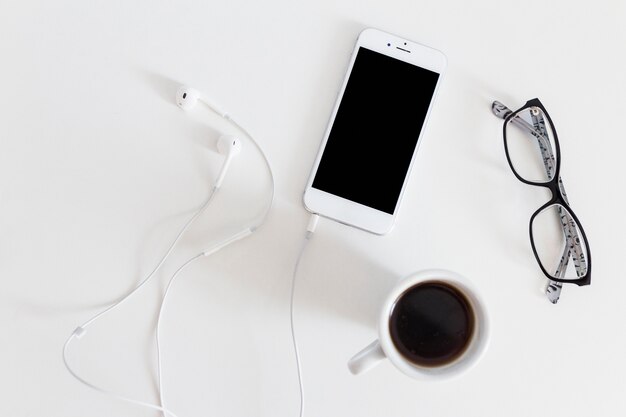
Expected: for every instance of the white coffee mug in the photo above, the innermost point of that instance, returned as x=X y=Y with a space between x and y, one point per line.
x=385 y=348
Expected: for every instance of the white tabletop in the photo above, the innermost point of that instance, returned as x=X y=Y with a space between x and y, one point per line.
x=99 y=170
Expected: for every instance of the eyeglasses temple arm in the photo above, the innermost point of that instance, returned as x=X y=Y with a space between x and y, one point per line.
x=554 y=288
x=567 y=222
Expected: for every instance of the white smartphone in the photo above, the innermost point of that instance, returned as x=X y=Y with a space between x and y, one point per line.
x=374 y=130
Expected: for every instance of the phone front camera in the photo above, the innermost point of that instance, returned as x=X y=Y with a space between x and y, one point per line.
x=388 y=44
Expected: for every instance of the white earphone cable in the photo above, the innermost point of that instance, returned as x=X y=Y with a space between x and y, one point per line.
x=80 y=330
x=158 y=326
x=102 y=391
x=180 y=234
x=267 y=165
x=233 y=239
x=244 y=233
x=309 y=233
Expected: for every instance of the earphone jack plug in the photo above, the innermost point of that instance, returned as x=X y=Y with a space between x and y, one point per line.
x=310 y=229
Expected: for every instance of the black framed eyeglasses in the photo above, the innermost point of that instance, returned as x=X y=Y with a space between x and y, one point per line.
x=556 y=235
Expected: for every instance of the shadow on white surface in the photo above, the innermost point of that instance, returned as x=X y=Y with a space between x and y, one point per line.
x=163 y=86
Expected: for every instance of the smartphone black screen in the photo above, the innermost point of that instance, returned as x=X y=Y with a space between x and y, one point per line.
x=375 y=131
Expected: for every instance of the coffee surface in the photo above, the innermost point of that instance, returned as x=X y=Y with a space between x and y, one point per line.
x=432 y=324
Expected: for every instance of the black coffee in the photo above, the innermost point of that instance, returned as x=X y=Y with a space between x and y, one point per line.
x=432 y=324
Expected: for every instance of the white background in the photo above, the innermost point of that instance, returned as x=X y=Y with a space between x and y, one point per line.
x=99 y=169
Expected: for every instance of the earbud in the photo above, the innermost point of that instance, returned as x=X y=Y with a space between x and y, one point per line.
x=187 y=98
x=229 y=146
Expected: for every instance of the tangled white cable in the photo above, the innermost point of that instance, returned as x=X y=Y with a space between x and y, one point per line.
x=228 y=145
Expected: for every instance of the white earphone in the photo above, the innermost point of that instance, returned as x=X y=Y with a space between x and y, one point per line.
x=229 y=146
x=187 y=98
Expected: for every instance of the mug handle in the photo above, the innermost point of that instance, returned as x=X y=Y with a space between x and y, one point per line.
x=367 y=358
